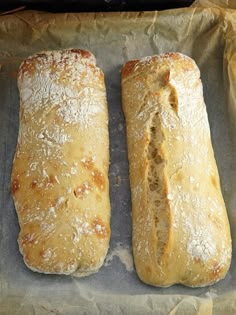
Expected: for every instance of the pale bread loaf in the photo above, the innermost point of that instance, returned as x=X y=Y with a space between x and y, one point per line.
x=180 y=227
x=60 y=170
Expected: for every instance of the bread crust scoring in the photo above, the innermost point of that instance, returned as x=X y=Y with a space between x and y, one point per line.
x=180 y=227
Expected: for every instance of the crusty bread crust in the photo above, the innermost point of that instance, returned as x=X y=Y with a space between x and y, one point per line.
x=180 y=227
x=60 y=170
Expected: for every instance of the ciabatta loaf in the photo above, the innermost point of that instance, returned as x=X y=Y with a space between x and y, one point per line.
x=180 y=227
x=60 y=170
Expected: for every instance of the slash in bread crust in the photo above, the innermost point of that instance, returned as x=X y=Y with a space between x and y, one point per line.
x=180 y=227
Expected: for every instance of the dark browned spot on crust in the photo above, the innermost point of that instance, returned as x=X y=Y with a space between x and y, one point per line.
x=100 y=228
x=128 y=68
x=88 y=164
x=98 y=179
x=172 y=55
x=34 y=183
x=15 y=186
x=83 y=190
x=148 y=269
x=42 y=253
x=53 y=202
x=97 y=176
x=196 y=260
x=214 y=181
x=83 y=53
x=52 y=179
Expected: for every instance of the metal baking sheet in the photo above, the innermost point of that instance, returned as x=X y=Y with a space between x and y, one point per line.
x=205 y=34
x=94 y=5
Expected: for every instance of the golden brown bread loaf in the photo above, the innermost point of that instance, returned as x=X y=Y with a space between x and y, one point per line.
x=60 y=170
x=180 y=226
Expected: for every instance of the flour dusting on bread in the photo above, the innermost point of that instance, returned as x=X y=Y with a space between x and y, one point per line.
x=180 y=227
x=62 y=203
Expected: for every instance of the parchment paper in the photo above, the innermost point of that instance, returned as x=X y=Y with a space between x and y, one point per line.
x=207 y=35
x=229 y=4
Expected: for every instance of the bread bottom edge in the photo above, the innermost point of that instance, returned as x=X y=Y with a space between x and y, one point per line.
x=78 y=273
x=185 y=284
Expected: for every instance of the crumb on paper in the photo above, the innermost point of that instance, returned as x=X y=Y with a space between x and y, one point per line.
x=123 y=252
x=117 y=180
x=120 y=127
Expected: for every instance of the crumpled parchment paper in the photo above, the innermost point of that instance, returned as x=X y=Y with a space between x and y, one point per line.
x=229 y=4
x=206 y=34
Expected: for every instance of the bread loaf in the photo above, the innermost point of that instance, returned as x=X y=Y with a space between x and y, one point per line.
x=60 y=169
x=180 y=226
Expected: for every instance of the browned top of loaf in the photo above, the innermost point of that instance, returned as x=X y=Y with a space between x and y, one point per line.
x=33 y=63
x=182 y=63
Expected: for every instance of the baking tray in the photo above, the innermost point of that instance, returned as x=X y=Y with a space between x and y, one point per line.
x=93 y=5
x=208 y=36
